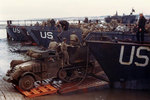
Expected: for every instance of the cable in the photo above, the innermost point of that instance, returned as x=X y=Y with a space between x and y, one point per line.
x=60 y=91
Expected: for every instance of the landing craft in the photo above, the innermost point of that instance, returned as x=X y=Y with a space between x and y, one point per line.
x=116 y=36
x=43 y=36
x=127 y=65
x=17 y=32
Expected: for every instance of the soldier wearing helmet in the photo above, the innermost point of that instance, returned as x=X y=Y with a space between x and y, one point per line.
x=53 y=45
x=74 y=40
x=65 y=52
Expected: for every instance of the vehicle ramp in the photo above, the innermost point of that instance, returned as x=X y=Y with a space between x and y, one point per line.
x=48 y=88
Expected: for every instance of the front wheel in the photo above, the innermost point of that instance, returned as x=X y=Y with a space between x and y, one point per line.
x=26 y=82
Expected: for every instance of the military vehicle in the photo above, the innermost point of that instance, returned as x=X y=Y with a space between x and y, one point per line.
x=48 y=64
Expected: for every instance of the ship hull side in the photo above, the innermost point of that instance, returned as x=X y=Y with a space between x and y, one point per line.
x=43 y=36
x=123 y=62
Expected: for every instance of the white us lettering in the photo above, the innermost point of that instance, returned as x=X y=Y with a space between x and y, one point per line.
x=16 y=30
x=138 y=55
x=122 y=54
x=142 y=56
x=45 y=35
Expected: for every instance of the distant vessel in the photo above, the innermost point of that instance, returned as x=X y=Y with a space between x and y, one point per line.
x=125 y=19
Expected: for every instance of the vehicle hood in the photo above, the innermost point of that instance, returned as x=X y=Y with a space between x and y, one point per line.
x=28 y=64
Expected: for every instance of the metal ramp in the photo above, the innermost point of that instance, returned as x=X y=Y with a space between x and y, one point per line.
x=86 y=86
x=90 y=83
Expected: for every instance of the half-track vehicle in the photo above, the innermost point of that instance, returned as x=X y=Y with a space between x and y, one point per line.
x=48 y=65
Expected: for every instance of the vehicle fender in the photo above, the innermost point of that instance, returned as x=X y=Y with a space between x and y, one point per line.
x=30 y=73
x=16 y=62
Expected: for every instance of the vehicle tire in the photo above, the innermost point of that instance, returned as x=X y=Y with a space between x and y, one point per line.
x=26 y=82
x=62 y=74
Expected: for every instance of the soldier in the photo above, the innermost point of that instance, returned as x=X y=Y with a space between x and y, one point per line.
x=48 y=23
x=59 y=27
x=52 y=21
x=37 y=24
x=86 y=20
x=74 y=40
x=85 y=31
x=141 y=28
x=53 y=45
x=64 y=24
x=65 y=52
x=44 y=24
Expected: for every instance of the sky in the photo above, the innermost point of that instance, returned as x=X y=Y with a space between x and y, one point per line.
x=30 y=9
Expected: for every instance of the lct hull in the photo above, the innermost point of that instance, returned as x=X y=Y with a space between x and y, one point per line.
x=126 y=64
x=19 y=33
x=43 y=36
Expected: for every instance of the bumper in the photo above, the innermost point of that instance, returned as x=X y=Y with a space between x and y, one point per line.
x=8 y=79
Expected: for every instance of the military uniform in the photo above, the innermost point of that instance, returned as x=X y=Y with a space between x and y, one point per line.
x=141 y=29
x=53 y=45
x=59 y=27
x=74 y=40
x=84 y=32
x=65 y=54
